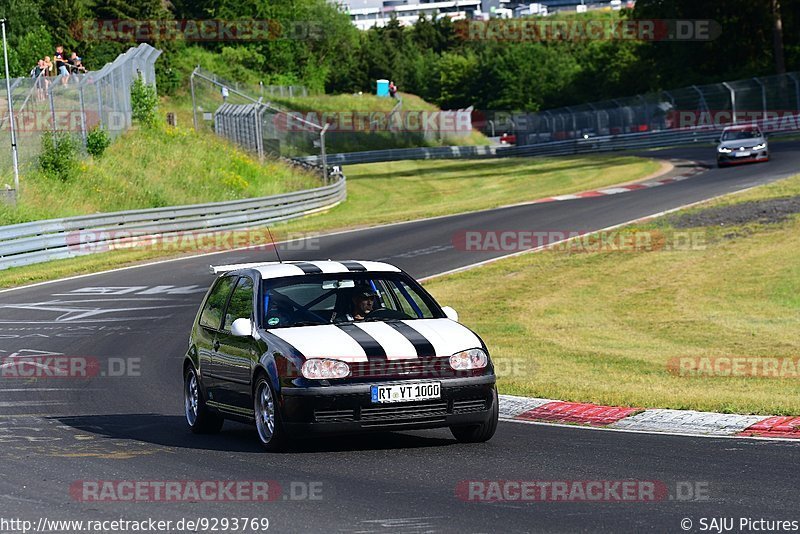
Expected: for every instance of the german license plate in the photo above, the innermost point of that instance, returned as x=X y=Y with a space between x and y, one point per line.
x=742 y=154
x=411 y=392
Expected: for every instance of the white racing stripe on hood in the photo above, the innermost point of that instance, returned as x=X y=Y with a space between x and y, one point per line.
x=395 y=344
x=324 y=341
x=446 y=336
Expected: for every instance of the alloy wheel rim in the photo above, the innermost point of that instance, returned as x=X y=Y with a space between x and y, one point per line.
x=265 y=413
x=191 y=398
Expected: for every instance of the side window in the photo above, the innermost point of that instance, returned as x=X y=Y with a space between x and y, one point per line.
x=241 y=305
x=212 y=311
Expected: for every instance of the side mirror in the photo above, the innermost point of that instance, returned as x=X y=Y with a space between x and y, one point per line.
x=242 y=328
x=450 y=313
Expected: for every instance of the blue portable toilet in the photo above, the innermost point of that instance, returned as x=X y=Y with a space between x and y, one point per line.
x=383 y=88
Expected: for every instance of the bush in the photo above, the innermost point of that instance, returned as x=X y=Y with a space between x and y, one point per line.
x=59 y=155
x=143 y=102
x=97 y=141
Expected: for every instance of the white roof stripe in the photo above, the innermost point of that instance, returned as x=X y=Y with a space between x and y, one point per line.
x=274 y=269
x=378 y=266
x=330 y=266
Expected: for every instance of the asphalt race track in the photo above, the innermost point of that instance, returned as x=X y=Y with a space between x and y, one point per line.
x=126 y=423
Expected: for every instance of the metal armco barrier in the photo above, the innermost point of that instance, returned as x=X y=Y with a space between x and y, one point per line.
x=633 y=141
x=39 y=241
x=397 y=154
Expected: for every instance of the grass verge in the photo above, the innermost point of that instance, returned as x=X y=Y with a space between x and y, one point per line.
x=390 y=192
x=154 y=168
x=592 y=324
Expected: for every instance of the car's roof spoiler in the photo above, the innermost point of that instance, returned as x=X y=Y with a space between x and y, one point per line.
x=219 y=269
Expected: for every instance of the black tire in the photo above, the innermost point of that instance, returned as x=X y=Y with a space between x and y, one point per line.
x=200 y=418
x=482 y=432
x=267 y=416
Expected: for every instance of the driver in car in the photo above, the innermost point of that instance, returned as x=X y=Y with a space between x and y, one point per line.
x=363 y=302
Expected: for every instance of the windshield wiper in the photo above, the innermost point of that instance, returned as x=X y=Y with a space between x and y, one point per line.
x=307 y=323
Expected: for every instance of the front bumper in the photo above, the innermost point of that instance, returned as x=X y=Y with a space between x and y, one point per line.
x=731 y=159
x=349 y=408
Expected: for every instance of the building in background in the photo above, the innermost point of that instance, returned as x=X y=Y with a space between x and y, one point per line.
x=367 y=14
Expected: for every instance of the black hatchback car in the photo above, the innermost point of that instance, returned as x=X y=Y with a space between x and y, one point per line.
x=328 y=347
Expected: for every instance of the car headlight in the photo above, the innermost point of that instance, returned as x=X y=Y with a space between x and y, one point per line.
x=324 y=369
x=469 y=359
x=762 y=146
x=724 y=150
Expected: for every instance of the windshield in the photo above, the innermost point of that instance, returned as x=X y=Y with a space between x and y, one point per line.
x=736 y=135
x=344 y=297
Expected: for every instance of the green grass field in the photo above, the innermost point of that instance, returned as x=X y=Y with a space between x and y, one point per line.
x=605 y=326
x=391 y=192
x=405 y=190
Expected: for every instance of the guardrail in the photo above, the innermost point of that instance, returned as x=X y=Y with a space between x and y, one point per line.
x=610 y=143
x=39 y=241
x=631 y=141
x=396 y=154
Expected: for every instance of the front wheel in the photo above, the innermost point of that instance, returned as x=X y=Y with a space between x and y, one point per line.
x=201 y=420
x=269 y=429
x=482 y=432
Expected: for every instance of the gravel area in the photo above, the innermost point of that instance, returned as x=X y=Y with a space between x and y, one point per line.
x=769 y=211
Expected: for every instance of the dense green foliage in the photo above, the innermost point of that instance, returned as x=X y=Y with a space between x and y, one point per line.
x=97 y=141
x=143 y=103
x=315 y=44
x=59 y=155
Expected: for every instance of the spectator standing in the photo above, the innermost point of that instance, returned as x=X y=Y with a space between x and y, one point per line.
x=38 y=74
x=61 y=65
x=392 y=89
x=75 y=63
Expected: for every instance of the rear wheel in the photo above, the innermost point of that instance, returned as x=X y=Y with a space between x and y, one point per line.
x=201 y=420
x=268 y=425
x=482 y=432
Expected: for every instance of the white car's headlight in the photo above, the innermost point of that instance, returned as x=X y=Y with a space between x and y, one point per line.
x=469 y=359
x=324 y=369
x=760 y=147
x=724 y=150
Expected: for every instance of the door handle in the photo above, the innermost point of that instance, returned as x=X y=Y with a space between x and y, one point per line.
x=216 y=346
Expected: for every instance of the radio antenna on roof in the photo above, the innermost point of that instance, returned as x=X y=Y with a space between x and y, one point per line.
x=274 y=245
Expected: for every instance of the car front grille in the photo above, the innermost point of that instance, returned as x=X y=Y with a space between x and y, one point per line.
x=430 y=367
x=401 y=414
x=398 y=415
x=334 y=416
x=468 y=406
